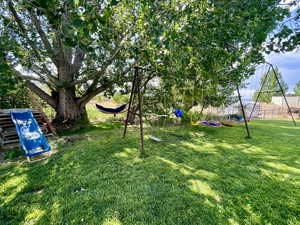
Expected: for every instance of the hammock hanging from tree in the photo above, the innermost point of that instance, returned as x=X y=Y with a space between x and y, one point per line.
x=119 y=109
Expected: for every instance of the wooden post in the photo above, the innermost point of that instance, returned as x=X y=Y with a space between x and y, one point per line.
x=140 y=113
x=130 y=102
x=243 y=111
x=136 y=89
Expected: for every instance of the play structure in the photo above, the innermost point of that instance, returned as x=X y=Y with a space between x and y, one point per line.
x=8 y=133
x=136 y=96
x=31 y=137
x=281 y=91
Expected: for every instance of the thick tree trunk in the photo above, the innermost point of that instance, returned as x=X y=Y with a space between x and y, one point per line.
x=69 y=114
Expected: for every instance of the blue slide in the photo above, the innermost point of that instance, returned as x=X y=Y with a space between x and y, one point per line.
x=30 y=135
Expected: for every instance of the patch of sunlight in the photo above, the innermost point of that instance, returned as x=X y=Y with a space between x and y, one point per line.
x=121 y=155
x=112 y=221
x=206 y=174
x=247 y=149
x=266 y=172
x=209 y=203
x=202 y=187
x=56 y=207
x=225 y=145
x=13 y=186
x=271 y=157
x=172 y=164
x=196 y=134
x=282 y=166
x=185 y=171
x=233 y=222
x=255 y=219
x=34 y=216
x=204 y=147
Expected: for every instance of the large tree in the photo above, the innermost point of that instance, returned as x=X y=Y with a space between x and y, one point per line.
x=81 y=48
x=76 y=48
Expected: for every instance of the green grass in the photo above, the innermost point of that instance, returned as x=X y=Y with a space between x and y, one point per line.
x=195 y=176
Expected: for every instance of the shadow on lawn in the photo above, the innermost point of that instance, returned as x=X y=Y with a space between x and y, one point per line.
x=197 y=176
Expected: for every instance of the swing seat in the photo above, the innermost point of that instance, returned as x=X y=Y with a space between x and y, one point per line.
x=211 y=124
x=228 y=123
x=154 y=138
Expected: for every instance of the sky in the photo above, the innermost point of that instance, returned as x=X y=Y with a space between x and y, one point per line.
x=287 y=63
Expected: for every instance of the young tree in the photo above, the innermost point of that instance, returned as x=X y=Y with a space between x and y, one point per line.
x=271 y=86
x=297 y=89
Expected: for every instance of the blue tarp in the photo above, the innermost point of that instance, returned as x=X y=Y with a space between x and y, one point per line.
x=30 y=135
x=178 y=113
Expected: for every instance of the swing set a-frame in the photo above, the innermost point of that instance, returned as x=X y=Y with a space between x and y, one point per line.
x=261 y=90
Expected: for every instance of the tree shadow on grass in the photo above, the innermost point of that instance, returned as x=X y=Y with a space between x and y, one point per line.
x=203 y=177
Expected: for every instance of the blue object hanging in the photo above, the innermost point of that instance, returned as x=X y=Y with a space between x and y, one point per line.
x=31 y=137
x=117 y=110
x=178 y=113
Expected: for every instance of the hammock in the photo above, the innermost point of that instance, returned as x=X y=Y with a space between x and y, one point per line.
x=31 y=137
x=114 y=111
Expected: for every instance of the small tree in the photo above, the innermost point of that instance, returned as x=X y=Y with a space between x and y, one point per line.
x=297 y=89
x=271 y=86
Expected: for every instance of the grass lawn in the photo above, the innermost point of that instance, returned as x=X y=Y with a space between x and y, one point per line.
x=195 y=176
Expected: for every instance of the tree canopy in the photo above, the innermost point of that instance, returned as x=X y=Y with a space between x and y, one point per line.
x=79 y=49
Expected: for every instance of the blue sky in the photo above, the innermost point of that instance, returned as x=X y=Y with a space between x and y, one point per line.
x=289 y=66
x=287 y=63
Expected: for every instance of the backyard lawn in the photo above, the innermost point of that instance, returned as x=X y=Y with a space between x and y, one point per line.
x=197 y=175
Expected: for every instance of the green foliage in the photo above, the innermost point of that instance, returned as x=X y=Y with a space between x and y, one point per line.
x=197 y=175
x=16 y=97
x=270 y=86
x=297 y=89
x=286 y=37
x=210 y=45
x=120 y=98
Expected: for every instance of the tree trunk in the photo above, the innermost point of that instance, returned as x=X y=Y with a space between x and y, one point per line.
x=69 y=113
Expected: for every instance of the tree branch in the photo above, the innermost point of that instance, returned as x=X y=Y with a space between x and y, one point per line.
x=42 y=94
x=89 y=95
x=78 y=59
x=22 y=28
x=43 y=37
x=30 y=78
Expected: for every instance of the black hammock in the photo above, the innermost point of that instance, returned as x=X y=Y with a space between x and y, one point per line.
x=114 y=111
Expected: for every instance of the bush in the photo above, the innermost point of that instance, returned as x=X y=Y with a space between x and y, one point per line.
x=16 y=97
x=118 y=98
x=100 y=98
